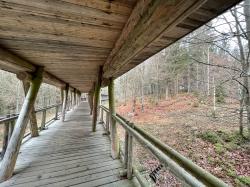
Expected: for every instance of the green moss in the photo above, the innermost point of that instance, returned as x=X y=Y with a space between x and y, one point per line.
x=244 y=179
x=210 y=136
x=219 y=148
x=231 y=173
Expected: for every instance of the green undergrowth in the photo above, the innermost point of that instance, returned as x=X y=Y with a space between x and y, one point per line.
x=222 y=142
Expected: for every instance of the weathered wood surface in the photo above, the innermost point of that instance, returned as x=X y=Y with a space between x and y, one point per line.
x=72 y=38
x=68 y=154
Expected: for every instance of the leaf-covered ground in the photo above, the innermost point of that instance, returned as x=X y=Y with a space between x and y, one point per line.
x=188 y=124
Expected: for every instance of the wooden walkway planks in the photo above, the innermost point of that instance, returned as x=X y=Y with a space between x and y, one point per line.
x=68 y=154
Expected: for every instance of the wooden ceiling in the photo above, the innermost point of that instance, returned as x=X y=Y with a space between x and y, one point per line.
x=73 y=38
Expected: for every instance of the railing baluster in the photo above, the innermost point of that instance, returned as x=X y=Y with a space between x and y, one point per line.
x=126 y=150
x=11 y=128
x=107 y=122
x=130 y=157
x=43 y=119
x=101 y=115
x=5 y=136
x=56 y=114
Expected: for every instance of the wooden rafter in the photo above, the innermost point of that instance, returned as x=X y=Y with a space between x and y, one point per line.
x=147 y=22
x=13 y=63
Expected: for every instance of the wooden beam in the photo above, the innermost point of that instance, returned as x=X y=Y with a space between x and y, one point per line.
x=23 y=68
x=91 y=97
x=9 y=161
x=114 y=133
x=33 y=120
x=65 y=101
x=96 y=98
x=147 y=22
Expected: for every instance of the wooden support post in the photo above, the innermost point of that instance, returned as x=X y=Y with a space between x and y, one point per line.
x=43 y=122
x=62 y=95
x=72 y=101
x=126 y=150
x=114 y=135
x=11 y=128
x=130 y=157
x=33 y=121
x=68 y=100
x=101 y=115
x=96 y=99
x=79 y=97
x=75 y=102
x=56 y=113
x=65 y=100
x=9 y=161
x=5 y=137
x=107 y=123
x=90 y=100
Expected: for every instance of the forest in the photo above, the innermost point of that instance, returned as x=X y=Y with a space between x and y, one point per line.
x=193 y=95
x=199 y=88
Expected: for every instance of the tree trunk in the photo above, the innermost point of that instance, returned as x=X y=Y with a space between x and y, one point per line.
x=246 y=82
x=96 y=99
x=33 y=121
x=114 y=133
x=9 y=161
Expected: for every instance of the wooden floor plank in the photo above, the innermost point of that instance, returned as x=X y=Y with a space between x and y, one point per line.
x=68 y=154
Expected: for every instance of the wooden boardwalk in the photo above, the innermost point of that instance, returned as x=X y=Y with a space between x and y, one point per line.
x=68 y=154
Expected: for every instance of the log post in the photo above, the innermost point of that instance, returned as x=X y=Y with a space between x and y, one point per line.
x=75 y=103
x=90 y=100
x=9 y=161
x=65 y=100
x=72 y=101
x=101 y=115
x=126 y=150
x=68 y=101
x=96 y=99
x=107 y=123
x=56 y=113
x=33 y=121
x=79 y=97
x=11 y=128
x=5 y=137
x=114 y=135
x=130 y=157
x=43 y=122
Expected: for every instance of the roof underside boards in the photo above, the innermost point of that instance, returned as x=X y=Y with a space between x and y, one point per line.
x=72 y=38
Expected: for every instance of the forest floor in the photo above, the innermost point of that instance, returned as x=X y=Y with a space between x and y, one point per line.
x=187 y=124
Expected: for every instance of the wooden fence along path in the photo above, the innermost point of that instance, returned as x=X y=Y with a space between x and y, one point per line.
x=68 y=154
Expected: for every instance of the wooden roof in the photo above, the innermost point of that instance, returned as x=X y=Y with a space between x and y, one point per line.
x=73 y=38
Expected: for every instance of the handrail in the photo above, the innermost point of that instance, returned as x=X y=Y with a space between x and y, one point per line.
x=15 y=116
x=182 y=167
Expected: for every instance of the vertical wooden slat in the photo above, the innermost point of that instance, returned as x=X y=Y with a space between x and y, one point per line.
x=107 y=123
x=126 y=150
x=101 y=115
x=9 y=161
x=33 y=121
x=56 y=113
x=43 y=122
x=130 y=157
x=114 y=135
x=96 y=99
x=75 y=103
x=11 y=128
x=5 y=137
x=65 y=100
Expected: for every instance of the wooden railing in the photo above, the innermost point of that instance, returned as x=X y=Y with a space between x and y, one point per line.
x=184 y=169
x=9 y=122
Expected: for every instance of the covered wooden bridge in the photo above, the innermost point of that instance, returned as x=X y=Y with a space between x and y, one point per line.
x=80 y=46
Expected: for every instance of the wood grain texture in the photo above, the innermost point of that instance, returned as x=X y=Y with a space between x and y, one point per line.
x=72 y=38
x=68 y=154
